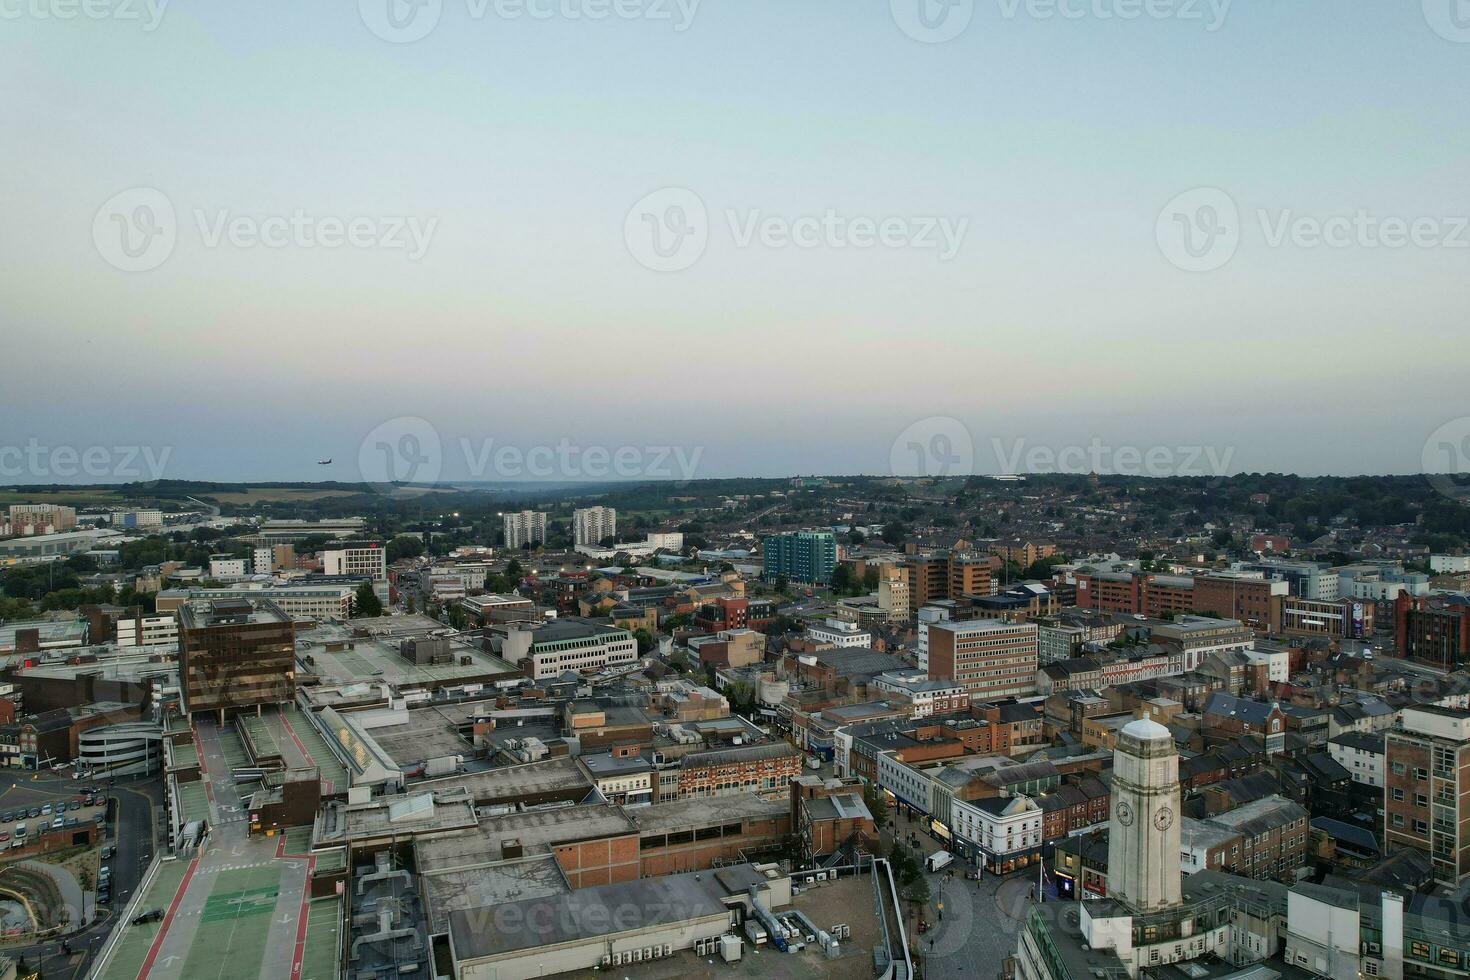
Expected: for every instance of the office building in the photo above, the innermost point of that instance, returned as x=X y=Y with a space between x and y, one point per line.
x=804 y=556
x=235 y=654
x=141 y=630
x=593 y=525
x=570 y=644
x=356 y=559
x=991 y=658
x=1246 y=596
x=269 y=559
x=41 y=518
x=1426 y=797
x=137 y=518
x=1434 y=629
x=226 y=568
x=525 y=529
x=276 y=532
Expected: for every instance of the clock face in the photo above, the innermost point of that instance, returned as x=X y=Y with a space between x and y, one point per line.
x=1163 y=818
x=1125 y=814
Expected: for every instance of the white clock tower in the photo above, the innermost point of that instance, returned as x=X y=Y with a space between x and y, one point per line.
x=1143 y=834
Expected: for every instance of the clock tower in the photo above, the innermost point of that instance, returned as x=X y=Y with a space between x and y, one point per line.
x=1143 y=832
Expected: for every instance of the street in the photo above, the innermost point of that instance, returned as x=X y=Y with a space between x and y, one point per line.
x=132 y=831
x=974 y=925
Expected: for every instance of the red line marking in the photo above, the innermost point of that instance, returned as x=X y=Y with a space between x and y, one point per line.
x=297 y=957
x=326 y=783
x=168 y=919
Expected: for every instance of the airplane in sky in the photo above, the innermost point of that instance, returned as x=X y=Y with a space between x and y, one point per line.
x=324 y=462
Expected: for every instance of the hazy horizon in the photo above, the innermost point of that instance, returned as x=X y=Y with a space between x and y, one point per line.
x=759 y=239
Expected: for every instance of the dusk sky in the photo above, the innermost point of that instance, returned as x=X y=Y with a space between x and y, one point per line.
x=872 y=230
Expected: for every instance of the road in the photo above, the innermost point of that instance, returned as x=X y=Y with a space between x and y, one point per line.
x=974 y=924
x=132 y=830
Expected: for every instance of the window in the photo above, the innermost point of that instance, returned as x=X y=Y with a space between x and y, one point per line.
x=1420 y=799
x=1398 y=768
x=1420 y=827
x=1398 y=795
x=1398 y=819
x=1421 y=774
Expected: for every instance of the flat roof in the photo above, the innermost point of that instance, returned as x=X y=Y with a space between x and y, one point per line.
x=706 y=812
x=559 y=776
x=376 y=658
x=587 y=913
x=536 y=831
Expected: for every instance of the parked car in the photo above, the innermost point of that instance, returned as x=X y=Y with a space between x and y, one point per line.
x=74 y=805
x=46 y=810
x=152 y=915
x=4 y=837
x=33 y=812
x=108 y=852
x=58 y=823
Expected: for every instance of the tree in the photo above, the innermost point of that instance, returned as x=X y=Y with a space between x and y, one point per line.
x=842 y=579
x=409 y=603
x=366 y=603
x=877 y=805
x=895 y=533
x=645 y=640
x=405 y=546
x=513 y=572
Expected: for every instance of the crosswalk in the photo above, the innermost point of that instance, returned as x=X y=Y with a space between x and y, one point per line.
x=215 y=869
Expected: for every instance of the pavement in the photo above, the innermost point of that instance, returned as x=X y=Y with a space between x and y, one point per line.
x=974 y=925
x=237 y=909
x=132 y=830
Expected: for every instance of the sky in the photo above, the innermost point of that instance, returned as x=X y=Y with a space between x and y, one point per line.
x=477 y=239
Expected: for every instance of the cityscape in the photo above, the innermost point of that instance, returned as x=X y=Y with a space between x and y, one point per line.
x=692 y=490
